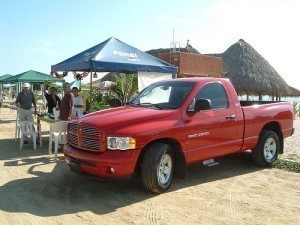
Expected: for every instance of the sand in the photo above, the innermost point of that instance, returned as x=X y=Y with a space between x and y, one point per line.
x=35 y=189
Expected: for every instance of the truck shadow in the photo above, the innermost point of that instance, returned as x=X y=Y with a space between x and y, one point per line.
x=228 y=166
x=60 y=191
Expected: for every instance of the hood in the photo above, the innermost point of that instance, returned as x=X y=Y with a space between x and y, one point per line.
x=120 y=116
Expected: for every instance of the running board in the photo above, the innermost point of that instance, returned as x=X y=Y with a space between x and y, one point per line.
x=210 y=162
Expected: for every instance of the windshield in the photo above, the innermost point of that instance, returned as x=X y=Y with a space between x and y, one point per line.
x=164 y=95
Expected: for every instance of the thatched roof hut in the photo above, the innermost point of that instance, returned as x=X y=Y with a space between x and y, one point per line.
x=251 y=73
x=188 y=49
x=294 y=92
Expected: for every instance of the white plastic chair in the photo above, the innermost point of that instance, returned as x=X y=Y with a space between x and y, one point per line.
x=27 y=129
x=18 y=127
x=58 y=135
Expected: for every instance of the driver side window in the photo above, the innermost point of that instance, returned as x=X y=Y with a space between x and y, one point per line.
x=215 y=93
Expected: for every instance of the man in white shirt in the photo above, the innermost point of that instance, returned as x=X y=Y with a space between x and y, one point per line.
x=78 y=103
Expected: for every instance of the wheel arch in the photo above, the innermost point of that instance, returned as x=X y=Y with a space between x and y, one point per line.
x=180 y=161
x=275 y=126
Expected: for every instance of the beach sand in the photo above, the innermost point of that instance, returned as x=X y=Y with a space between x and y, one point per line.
x=35 y=189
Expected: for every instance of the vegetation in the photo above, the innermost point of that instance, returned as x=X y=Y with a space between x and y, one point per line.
x=287 y=165
x=126 y=87
x=97 y=100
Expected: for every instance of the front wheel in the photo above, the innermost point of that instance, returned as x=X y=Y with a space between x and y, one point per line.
x=267 y=148
x=158 y=168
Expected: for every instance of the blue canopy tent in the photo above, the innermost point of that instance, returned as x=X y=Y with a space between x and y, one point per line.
x=114 y=55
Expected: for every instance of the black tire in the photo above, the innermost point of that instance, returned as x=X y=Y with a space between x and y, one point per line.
x=158 y=168
x=267 y=148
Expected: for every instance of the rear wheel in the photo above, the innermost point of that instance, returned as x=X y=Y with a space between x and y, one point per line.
x=267 y=148
x=158 y=168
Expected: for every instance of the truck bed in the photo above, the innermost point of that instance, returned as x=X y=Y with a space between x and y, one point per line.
x=250 y=103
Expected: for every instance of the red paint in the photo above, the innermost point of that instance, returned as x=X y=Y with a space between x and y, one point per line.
x=200 y=136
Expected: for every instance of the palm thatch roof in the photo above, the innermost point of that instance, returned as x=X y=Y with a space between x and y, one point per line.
x=294 y=92
x=188 y=49
x=250 y=72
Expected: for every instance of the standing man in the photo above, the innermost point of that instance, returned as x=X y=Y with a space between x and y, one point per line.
x=52 y=99
x=24 y=101
x=66 y=108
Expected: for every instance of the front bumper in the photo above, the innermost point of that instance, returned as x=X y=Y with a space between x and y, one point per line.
x=115 y=165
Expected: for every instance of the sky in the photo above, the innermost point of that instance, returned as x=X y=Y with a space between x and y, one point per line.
x=36 y=34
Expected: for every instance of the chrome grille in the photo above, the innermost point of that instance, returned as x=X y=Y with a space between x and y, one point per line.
x=88 y=138
x=73 y=127
x=73 y=139
x=89 y=143
x=86 y=130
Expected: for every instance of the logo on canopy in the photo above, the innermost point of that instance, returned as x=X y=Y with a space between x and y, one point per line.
x=129 y=56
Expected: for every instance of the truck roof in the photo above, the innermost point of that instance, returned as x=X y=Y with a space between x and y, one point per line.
x=198 y=79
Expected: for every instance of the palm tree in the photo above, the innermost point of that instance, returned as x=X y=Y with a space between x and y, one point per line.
x=126 y=86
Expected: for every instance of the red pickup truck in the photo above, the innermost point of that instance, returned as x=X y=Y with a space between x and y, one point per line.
x=171 y=124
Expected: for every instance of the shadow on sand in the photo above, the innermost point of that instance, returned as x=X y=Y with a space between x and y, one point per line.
x=60 y=191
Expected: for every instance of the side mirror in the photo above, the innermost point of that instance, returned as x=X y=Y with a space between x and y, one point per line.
x=202 y=104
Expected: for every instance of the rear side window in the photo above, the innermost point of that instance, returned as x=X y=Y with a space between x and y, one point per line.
x=215 y=93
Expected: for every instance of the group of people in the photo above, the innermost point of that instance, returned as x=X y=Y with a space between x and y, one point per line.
x=70 y=106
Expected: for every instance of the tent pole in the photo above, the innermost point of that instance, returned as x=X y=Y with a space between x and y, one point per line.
x=80 y=85
x=42 y=93
x=91 y=90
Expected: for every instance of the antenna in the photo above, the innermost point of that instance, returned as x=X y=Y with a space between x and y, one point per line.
x=174 y=48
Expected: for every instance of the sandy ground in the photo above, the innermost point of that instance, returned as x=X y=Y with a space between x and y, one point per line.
x=34 y=189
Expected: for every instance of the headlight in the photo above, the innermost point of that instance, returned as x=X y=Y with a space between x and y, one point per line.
x=120 y=143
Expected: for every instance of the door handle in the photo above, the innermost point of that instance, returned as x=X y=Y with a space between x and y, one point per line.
x=230 y=117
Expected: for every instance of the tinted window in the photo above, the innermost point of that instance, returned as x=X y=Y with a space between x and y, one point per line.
x=215 y=93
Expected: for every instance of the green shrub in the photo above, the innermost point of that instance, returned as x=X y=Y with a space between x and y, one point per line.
x=287 y=165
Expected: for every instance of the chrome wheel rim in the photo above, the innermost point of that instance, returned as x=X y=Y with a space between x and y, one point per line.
x=270 y=149
x=165 y=169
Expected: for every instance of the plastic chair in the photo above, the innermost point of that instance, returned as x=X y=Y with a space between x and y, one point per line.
x=18 y=127
x=58 y=135
x=27 y=129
